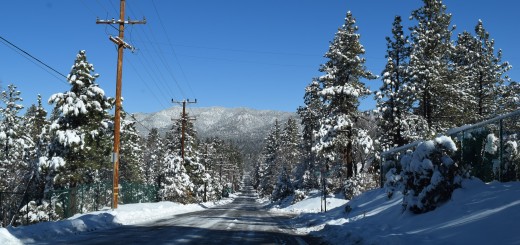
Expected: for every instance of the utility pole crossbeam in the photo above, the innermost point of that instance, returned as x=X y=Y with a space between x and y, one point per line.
x=121 y=45
x=184 y=120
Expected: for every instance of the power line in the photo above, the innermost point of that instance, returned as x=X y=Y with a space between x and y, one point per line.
x=171 y=47
x=145 y=83
x=32 y=57
x=248 y=51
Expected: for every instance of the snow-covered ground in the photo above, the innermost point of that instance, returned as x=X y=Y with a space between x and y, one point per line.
x=129 y=214
x=478 y=213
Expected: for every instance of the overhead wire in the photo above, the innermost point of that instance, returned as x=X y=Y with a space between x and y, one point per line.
x=146 y=63
x=133 y=66
x=27 y=55
x=146 y=84
x=136 y=121
x=157 y=52
x=171 y=47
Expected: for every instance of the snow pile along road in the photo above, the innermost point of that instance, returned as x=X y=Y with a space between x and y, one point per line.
x=128 y=214
x=478 y=213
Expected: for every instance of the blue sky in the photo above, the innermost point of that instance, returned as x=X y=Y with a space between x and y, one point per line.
x=231 y=53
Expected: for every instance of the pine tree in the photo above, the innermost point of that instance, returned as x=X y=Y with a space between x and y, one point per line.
x=268 y=169
x=131 y=153
x=465 y=57
x=341 y=90
x=490 y=76
x=80 y=134
x=212 y=161
x=13 y=167
x=429 y=68
x=36 y=125
x=153 y=156
x=309 y=115
x=290 y=145
x=191 y=165
x=393 y=99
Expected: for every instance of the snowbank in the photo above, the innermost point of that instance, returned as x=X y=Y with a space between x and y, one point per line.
x=311 y=204
x=128 y=214
x=478 y=213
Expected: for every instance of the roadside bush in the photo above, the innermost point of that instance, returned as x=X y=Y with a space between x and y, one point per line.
x=430 y=175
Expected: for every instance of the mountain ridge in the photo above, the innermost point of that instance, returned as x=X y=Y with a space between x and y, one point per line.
x=240 y=124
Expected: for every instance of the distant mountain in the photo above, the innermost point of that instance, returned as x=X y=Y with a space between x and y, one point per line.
x=246 y=127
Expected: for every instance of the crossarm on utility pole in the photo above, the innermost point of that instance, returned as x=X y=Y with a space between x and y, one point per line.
x=184 y=119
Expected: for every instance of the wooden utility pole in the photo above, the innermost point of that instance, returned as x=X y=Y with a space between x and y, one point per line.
x=121 y=45
x=184 y=120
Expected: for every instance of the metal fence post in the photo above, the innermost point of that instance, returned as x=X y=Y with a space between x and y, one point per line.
x=501 y=150
x=1 y=209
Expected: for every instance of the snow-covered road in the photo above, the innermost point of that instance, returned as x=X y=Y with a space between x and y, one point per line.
x=243 y=221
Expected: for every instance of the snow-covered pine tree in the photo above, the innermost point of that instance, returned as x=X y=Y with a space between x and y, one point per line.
x=465 y=57
x=80 y=133
x=36 y=125
x=212 y=159
x=131 y=163
x=309 y=115
x=13 y=169
x=14 y=143
x=491 y=82
x=283 y=187
x=269 y=167
x=394 y=100
x=290 y=145
x=153 y=156
x=341 y=90
x=176 y=184
x=290 y=156
x=191 y=165
x=436 y=92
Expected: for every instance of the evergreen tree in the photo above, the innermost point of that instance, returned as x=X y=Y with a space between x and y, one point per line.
x=80 y=134
x=131 y=160
x=268 y=169
x=290 y=145
x=429 y=67
x=212 y=158
x=309 y=115
x=490 y=77
x=191 y=165
x=341 y=90
x=393 y=100
x=465 y=57
x=36 y=125
x=283 y=187
x=153 y=156
x=13 y=168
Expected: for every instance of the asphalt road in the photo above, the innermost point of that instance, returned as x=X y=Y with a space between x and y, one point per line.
x=243 y=221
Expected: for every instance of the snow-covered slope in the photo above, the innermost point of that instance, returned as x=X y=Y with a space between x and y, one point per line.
x=226 y=123
x=478 y=213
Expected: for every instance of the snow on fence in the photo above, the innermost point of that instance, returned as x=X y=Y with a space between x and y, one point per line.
x=489 y=148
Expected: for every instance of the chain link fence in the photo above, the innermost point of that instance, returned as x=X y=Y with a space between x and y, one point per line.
x=25 y=208
x=489 y=148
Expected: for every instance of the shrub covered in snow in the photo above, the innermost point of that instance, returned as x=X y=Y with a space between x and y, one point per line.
x=283 y=187
x=511 y=160
x=430 y=175
x=299 y=195
x=34 y=213
x=360 y=183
